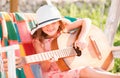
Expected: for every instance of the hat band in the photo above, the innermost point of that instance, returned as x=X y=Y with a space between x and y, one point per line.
x=44 y=22
x=48 y=21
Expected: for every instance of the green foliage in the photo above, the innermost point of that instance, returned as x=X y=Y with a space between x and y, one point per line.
x=85 y=10
x=116 y=67
x=97 y=12
x=117 y=37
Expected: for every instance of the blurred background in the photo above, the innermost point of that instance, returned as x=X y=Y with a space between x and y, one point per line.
x=96 y=10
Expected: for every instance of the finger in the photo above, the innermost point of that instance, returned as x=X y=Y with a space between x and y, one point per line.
x=5 y=66
x=18 y=60
x=20 y=65
x=76 y=44
x=5 y=60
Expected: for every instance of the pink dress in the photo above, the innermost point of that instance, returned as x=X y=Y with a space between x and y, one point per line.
x=54 y=71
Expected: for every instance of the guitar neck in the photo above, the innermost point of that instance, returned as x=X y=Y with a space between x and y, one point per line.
x=55 y=54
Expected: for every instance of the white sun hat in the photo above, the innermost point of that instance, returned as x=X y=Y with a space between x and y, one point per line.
x=45 y=15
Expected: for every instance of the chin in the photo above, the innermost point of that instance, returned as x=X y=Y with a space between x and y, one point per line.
x=52 y=34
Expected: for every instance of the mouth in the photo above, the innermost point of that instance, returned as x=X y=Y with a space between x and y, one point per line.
x=51 y=30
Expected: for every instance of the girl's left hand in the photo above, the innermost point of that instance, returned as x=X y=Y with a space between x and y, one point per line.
x=19 y=62
x=81 y=44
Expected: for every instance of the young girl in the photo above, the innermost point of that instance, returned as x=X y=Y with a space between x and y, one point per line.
x=50 y=25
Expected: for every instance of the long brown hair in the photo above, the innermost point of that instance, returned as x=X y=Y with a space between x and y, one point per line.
x=41 y=35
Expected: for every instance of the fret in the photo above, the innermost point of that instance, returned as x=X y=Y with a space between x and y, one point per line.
x=55 y=57
x=39 y=56
x=51 y=54
x=35 y=58
x=65 y=53
x=61 y=54
x=32 y=58
x=27 y=59
x=48 y=55
x=56 y=54
x=42 y=55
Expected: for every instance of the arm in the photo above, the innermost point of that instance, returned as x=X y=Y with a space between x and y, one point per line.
x=45 y=65
x=85 y=24
x=81 y=41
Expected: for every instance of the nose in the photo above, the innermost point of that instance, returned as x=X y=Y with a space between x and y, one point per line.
x=50 y=26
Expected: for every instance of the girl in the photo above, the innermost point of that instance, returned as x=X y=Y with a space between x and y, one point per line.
x=51 y=25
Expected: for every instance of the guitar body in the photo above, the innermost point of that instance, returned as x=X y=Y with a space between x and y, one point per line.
x=96 y=54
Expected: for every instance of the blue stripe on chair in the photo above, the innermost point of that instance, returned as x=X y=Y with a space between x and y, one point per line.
x=36 y=70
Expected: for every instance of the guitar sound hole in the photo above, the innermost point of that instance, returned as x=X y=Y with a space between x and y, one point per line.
x=77 y=51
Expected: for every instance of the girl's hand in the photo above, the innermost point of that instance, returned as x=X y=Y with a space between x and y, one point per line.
x=18 y=62
x=5 y=64
x=81 y=44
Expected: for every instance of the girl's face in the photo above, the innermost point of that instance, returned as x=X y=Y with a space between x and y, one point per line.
x=51 y=29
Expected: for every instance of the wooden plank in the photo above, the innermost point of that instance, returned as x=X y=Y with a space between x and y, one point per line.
x=116 y=51
x=112 y=21
x=13 y=5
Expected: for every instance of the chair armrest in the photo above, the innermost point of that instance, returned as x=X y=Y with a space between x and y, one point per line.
x=116 y=51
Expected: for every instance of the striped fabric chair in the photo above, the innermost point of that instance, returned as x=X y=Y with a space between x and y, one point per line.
x=15 y=29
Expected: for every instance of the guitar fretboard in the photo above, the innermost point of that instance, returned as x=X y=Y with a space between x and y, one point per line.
x=55 y=54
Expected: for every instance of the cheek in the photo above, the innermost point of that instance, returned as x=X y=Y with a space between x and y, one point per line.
x=56 y=26
x=44 y=30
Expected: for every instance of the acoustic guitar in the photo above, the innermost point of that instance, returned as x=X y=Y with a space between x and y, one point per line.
x=96 y=54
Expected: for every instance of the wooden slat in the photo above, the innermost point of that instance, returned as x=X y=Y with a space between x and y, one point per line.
x=13 y=5
x=116 y=51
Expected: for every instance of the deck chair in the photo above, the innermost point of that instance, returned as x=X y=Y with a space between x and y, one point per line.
x=15 y=29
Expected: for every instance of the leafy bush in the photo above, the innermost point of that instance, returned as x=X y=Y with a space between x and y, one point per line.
x=116 y=67
x=98 y=15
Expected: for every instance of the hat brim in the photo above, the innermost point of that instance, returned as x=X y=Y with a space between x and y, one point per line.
x=42 y=25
